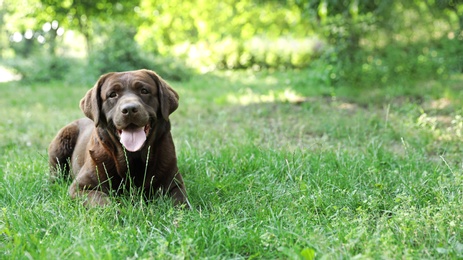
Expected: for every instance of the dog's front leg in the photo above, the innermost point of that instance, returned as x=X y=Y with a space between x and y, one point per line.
x=88 y=186
x=176 y=190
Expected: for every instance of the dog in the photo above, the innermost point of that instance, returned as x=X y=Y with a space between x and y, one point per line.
x=124 y=141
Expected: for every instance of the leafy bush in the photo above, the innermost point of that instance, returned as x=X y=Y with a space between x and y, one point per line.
x=395 y=63
x=41 y=67
x=377 y=48
x=258 y=52
x=117 y=51
x=229 y=34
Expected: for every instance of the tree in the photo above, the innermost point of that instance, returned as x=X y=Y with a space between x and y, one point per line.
x=3 y=35
x=83 y=15
x=452 y=6
x=344 y=23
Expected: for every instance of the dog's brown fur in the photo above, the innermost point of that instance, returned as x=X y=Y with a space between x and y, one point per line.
x=90 y=151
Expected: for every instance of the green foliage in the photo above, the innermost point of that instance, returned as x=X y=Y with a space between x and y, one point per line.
x=26 y=47
x=176 y=22
x=116 y=50
x=359 y=42
x=257 y=53
x=228 y=34
x=395 y=63
x=86 y=15
x=369 y=46
x=42 y=67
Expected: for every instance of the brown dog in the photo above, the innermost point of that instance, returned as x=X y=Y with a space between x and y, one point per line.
x=124 y=142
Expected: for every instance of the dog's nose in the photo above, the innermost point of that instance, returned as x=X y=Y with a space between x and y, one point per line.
x=130 y=108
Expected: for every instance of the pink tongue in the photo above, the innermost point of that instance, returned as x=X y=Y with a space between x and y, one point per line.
x=133 y=139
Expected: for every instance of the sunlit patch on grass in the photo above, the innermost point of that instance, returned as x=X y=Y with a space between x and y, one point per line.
x=347 y=106
x=444 y=128
x=440 y=103
x=7 y=75
x=250 y=97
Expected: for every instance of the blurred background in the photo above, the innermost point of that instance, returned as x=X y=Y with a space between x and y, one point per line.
x=361 y=43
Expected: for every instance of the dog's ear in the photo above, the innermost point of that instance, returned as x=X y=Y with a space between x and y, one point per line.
x=168 y=98
x=91 y=103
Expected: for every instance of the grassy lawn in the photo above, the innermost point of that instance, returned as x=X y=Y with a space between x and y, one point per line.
x=277 y=165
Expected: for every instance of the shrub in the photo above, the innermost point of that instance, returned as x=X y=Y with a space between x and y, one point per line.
x=258 y=52
x=41 y=67
x=118 y=51
x=394 y=63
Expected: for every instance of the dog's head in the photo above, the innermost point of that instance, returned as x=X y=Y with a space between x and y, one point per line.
x=130 y=104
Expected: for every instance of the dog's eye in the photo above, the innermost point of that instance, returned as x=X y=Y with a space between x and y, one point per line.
x=112 y=94
x=144 y=91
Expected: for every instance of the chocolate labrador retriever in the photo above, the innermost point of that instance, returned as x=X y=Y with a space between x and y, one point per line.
x=124 y=142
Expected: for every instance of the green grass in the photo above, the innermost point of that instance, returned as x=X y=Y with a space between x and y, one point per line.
x=276 y=165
